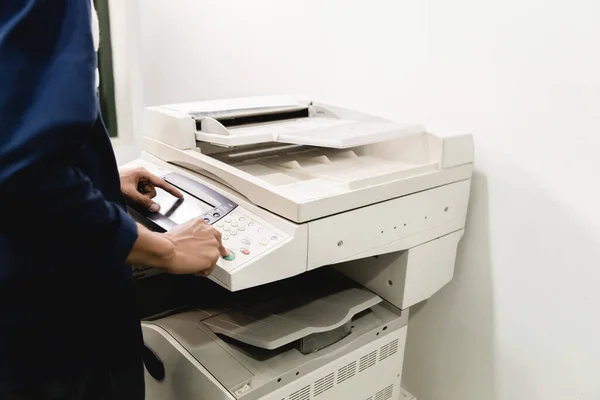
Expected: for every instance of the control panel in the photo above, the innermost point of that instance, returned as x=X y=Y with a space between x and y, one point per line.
x=246 y=237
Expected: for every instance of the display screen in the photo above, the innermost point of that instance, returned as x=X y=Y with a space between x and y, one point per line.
x=180 y=210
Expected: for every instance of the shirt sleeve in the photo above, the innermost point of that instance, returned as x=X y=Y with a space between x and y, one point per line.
x=48 y=108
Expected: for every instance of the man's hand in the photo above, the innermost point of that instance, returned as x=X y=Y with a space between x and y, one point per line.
x=139 y=186
x=197 y=247
x=190 y=248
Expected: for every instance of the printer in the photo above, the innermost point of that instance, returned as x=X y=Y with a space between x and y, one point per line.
x=337 y=222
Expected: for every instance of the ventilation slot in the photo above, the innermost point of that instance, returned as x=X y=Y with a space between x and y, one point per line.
x=385 y=394
x=346 y=372
x=388 y=350
x=323 y=384
x=302 y=394
x=367 y=361
x=384 y=352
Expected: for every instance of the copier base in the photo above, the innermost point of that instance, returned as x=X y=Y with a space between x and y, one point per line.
x=242 y=345
x=372 y=372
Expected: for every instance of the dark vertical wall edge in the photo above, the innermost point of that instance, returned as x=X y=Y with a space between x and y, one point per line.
x=105 y=67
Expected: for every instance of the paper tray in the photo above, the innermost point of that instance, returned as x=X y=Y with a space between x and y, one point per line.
x=276 y=323
x=314 y=131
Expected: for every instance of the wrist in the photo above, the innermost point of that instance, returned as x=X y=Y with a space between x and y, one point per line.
x=152 y=249
x=164 y=251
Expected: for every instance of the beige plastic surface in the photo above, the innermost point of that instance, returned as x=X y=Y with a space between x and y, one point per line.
x=310 y=131
x=321 y=161
x=276 y=323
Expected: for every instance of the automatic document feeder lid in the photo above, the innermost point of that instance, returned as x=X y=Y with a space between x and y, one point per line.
x=281 y=119
x=278 y=322
x=304 y=160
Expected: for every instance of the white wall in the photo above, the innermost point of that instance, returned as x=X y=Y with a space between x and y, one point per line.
x=521 y=320
x=125 y=40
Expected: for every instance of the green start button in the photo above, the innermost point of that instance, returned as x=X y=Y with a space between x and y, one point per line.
x=230 y=256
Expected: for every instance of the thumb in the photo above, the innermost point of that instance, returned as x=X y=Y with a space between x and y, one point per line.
x=146 y=202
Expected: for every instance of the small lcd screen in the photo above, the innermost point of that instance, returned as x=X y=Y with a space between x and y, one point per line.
x=180 y=210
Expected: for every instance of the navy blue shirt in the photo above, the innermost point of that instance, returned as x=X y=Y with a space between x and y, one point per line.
x=65 y=291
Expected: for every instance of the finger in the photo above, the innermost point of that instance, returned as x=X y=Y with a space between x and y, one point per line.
x=217 y=234
x=198 y=224
x=146 y=202
x=206 y=272
x=161 y=183
x=209 y=271
x=222 y=250
x=148 y=191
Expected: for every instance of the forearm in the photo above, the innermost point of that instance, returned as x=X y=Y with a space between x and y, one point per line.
x=151 y=249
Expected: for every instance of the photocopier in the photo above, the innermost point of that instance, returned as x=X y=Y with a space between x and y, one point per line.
x=337 y=222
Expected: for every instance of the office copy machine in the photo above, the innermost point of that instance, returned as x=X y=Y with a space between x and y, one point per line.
x=337 y=222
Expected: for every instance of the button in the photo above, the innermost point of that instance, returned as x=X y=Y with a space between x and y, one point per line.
x=225 y=237
x=220 y=224
x=245 y=251
x=250 y=224
x=241 y=228
x=230 y=256
x=246 y=242
x=233 y=233
x=262 y=242
x=234 y=224
x=273 y=237
x=226 y=228
x=216 y=215
x=206 y=220
x=227 y=220
x=242 y=218
x=260 y=230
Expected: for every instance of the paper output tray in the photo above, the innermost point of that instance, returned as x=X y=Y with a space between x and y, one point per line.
x=250 y=121
x=277 y=323
x=315 y=131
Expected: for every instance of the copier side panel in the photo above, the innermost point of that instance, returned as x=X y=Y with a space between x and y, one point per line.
x=388 y=226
